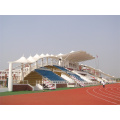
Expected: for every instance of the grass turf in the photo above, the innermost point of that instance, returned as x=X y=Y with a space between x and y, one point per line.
x=28 y=92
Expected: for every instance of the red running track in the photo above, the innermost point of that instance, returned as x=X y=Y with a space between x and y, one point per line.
x=96 y=95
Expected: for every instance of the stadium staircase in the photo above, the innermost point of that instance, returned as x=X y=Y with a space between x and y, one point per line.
x=48 y=84
x=70 y=73
x=78 y=81
x=38 y=87
x=67 y=78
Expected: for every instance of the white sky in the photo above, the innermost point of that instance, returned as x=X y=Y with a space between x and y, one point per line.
x=28 y=35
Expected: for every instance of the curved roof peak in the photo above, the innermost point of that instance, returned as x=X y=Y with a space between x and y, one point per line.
x=72 y=51
x=31 y=59
x=77 y=56
x=42 y=55
x=22 y=60
x=47 y=54
x=60 y=54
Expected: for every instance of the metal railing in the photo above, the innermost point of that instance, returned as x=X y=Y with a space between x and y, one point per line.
x=38 y=82
x=59 y=82
x=91 y=83
x=20 y=82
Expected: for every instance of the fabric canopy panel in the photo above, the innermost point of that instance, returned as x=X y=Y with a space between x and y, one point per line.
x=31 y=59
x=36 y=57
x=22 y=60
x=78 y=56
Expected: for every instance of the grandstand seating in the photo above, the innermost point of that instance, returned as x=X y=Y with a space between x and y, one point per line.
x=60 y=73
x=54 y=69
x=49 y=74
x=61 y=68
x=82 y=76
x=69 y=72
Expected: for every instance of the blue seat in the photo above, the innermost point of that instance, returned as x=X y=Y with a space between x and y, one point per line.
x=49 y=74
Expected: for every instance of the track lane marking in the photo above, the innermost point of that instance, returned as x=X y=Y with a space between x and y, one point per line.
x=105 y=95
x=100 y=97
x=112 y=92
x=108 y=93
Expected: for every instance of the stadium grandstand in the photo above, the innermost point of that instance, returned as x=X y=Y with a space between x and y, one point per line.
x=52 y=71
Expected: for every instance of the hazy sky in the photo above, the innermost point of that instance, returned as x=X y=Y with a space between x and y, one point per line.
x=28 y=35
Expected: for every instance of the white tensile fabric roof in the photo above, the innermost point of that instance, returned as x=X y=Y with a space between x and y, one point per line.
x=22 y=60
x=78 y=56
x=36 y=57
x=42 y=55
x=31 y=59
x=60 y=54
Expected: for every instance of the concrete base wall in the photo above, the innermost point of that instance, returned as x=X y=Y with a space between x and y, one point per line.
x=61 y=85
x=3 y=89
x=22 y=88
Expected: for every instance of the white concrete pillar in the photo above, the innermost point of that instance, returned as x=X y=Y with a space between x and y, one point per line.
x=22 y=75
x=59 y=62
x=42 y=62
x=36 y=64
x=55 y=85
x=47 y=61
x=55 y=61
x=29 y=68
x=10 y=81
x=51 y=61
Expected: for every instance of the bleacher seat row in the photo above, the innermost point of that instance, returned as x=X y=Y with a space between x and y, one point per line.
x=69 y=72
x=49 y=74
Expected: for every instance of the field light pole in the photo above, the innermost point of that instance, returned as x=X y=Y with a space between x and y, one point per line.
x=10 y=82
